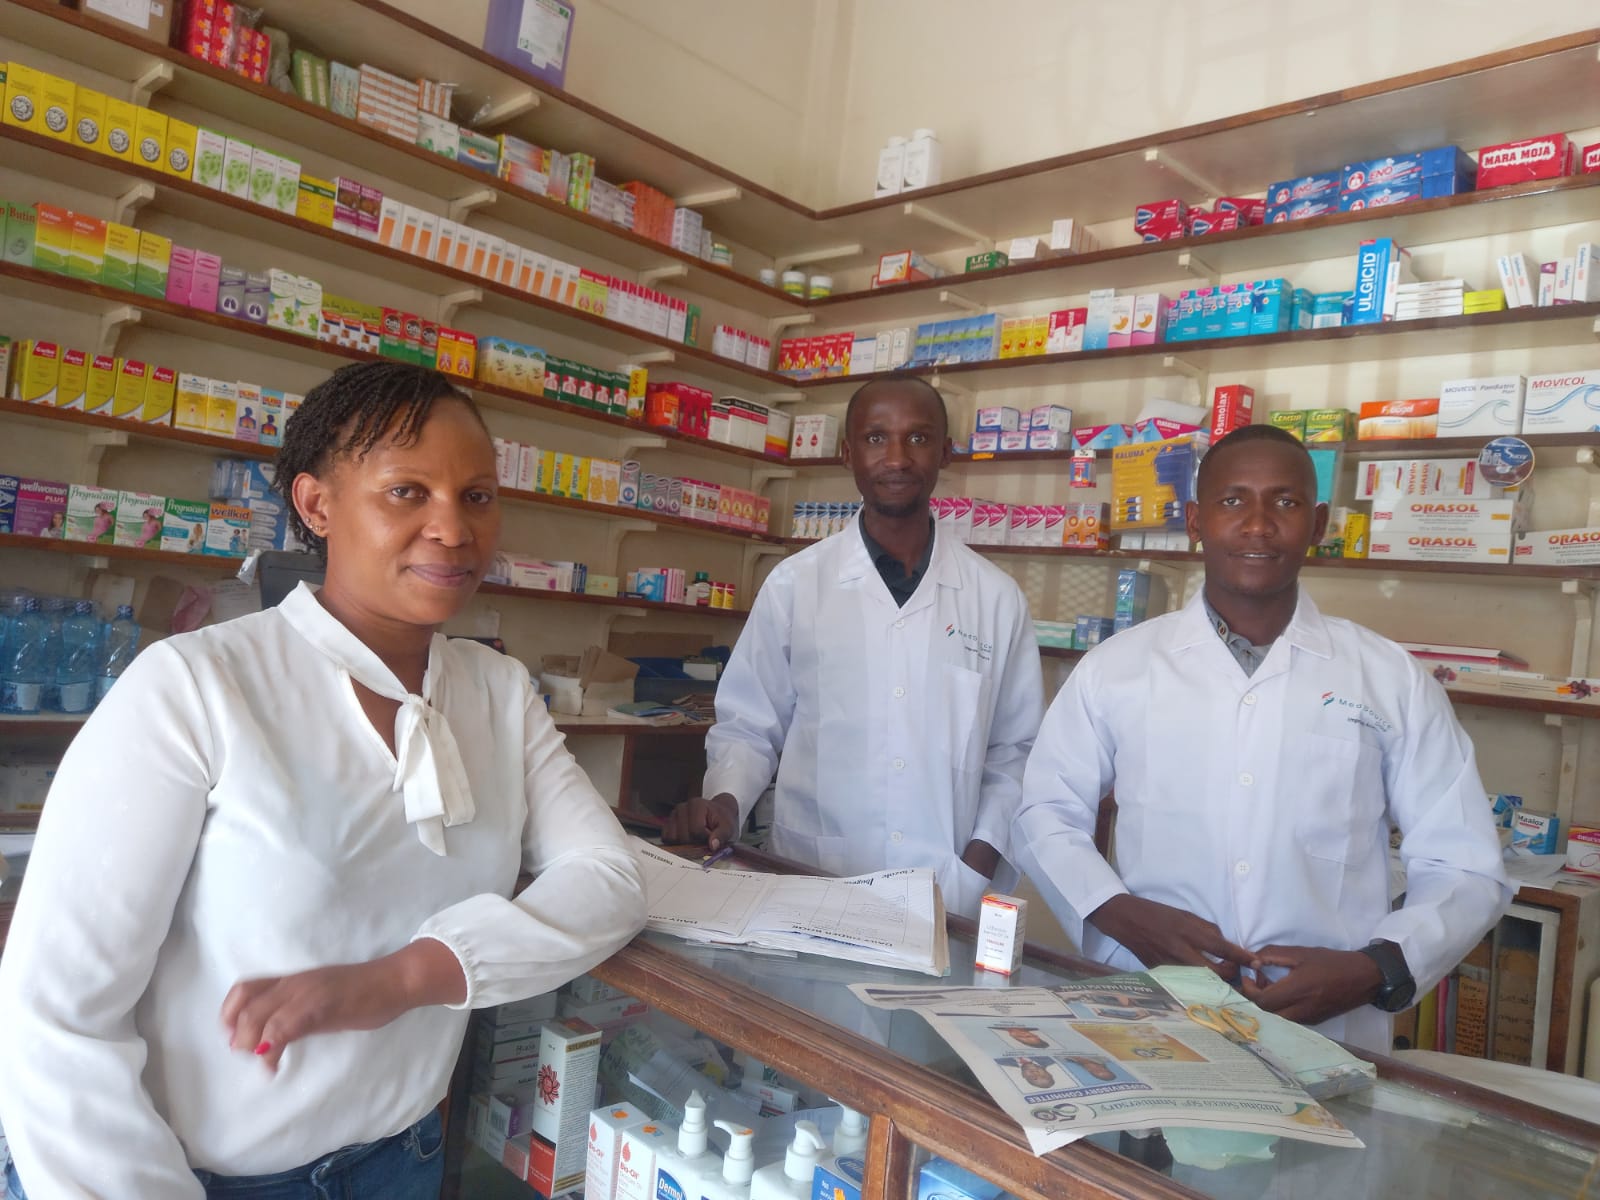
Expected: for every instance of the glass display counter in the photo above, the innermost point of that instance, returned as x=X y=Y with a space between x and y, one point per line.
x=1425 y=1136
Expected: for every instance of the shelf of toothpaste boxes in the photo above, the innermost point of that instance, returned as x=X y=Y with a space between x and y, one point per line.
x=764 y=1042
x=372 y=119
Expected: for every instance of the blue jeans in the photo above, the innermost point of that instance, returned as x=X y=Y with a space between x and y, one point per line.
x=407 y=1166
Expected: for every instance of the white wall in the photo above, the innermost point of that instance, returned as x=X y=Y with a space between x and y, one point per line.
x=1028 y=79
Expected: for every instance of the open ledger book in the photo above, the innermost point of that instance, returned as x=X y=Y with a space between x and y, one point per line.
x=888 y=918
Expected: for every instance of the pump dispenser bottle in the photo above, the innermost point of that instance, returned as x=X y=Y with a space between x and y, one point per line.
x=738 y=1166
x=680 y=1171
x=791 y=1179
x=851 y=1136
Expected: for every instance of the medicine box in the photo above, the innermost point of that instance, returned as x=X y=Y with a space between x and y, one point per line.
x=1562 y=403
x=91 y=514
x=941 y=1180
x=1002 y=925
x=606 y=1127
x=1411 y=545
x=8 y=502
x=1559 y=547
x=41 y=508
x=227 y=530
x=140 y=518
x=997 y=420
x=569 y=1065
x=1423 y=477
x=1535 y=832
x=1481 y=407
x=636 y=1165
x=1407 y=419
x=1329 y=425
x=839 y=1178
x=1456 y=515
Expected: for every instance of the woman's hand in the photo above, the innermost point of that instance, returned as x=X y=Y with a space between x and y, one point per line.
x=265 y=1015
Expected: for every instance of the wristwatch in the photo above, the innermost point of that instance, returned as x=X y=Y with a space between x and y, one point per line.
x=1398 y=988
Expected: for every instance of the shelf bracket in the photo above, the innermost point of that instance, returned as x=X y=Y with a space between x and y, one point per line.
x=1596 y=327
x=97 y=443
x=652 y=358
x=1181 y=366
x=784 y=397
x=1583 y=603
x=1163 y=158
x=651 y=276
x=613 y=615
x=131 y=201
x=710 y=198
x=948 y=387
x=632 y=445
x=761 y=476
x=619 y=529
x=464 y=206
x=957 y=300
x=1199 y=268
x=754 y=552
x=454 y=302
x=933 y=217
x=152 y=81
x=1587 y=458
x=1567 y=780
x=513 y=106
x=111 y=327
x=825 y=254
x=791 y=321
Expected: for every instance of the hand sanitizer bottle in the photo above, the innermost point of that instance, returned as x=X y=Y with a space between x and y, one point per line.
x=851 y=1136
x=680 y=1172
x=791 y=1179
x=738 y=1165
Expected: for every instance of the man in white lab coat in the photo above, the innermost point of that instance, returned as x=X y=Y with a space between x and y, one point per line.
x=890 y=677
x=1259 y=752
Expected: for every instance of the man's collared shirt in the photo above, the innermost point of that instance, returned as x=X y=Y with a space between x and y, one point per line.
x=901 y=584
x=1245 y=652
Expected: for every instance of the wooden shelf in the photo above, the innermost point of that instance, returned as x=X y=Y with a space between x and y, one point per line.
x=1505 y=210
x=60 y=725
x=1065 y=652
x=692 y=610
x=165 y=434
x=1512 y=329
x=1493 y=98
x=296 y=123
x=44 y=287
x=1527 y=704
x=1469 y=446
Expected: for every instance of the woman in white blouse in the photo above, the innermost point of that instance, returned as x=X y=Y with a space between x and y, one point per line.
x=275 y=870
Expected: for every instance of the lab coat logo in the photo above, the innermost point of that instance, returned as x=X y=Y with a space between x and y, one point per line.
x=1359 y=713
x=971 y=642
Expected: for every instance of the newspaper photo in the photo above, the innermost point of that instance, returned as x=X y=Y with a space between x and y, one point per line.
x=1119 y=1052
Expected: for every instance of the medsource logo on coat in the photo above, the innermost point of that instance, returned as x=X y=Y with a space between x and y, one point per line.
x=1359 y=713
x=971 y=642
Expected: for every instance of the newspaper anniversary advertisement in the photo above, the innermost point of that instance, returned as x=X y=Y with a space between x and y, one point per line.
x=1118 y=1052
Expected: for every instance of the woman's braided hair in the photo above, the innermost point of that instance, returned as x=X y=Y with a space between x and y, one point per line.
x=348 y=413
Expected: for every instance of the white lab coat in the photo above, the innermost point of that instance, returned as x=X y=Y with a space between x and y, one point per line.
x=903 y=732
x=1263 y=803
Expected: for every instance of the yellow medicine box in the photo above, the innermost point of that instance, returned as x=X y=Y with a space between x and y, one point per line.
x=38 y=372
x=149 y=138
x=102 y=383
x=72 y=380
x=315 y=201
x=178 y=160
x=133 y=377
x=24 y=98
x=88 y=256
x=189 y=405
x=160 y=391
x=89 y=120
x=60 y=98
x=121 y=122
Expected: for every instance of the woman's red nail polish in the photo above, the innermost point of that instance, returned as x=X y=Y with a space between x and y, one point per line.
x=264 y=1048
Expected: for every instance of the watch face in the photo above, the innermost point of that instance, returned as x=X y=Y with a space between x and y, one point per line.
x=1400 y=998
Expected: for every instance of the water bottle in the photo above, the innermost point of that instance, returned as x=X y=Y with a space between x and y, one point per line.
x=26 y=667
x=78 y=659
x=116 y=652
x=55 y=610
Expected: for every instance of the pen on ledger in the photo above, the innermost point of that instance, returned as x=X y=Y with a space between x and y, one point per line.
x=714 y=859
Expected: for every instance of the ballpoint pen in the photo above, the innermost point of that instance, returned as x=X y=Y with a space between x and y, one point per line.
x=713 y=860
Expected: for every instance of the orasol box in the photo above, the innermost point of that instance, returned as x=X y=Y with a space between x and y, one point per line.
x=1559 y=547
x=1417 y=546
x=1447 y=516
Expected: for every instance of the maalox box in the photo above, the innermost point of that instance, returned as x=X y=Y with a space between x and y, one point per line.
x=1563 y=403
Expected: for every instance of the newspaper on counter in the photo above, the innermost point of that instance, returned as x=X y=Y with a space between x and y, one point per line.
x=889 y=918
x=1117 y=1052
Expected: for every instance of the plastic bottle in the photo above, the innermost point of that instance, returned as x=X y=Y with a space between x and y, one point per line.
x=851 y=1136
x=55 y=610
x=78 y=659
x=680 y=1172
x=25 y=668
x=738 y=1165
x=117 y=650
x=791 y=1179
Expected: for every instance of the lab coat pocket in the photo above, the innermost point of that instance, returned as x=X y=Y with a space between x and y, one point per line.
x=1339 y=818
x=830 y=855
x=966 y=735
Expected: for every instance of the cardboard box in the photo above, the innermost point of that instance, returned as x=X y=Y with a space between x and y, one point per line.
x=1559 y=547
x=1547 y=157
x=1448 y=515
x=38 y=373
x=1560 y=403
x=588 y=685
x=1231 y=408
x=41 y=509
x=569 y=1065
x=1415 y=546
x=91 y=514
x=72 y=380
x=150 y=19
x=140 y=517
x=1488 y=407
x=1386 y=419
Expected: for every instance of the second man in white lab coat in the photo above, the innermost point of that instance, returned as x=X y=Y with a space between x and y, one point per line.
x=888 y=676
x=1260 y=751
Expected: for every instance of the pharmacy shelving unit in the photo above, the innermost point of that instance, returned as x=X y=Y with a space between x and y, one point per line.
x=1553 y=84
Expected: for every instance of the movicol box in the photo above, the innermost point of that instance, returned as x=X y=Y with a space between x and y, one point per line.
x=140 y=517
x=183 y=526
x=606 y=1127
x=1562 y=403
x=1559 y=547
x=569 y=1066
x=1481 y=407
x=91 y=514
